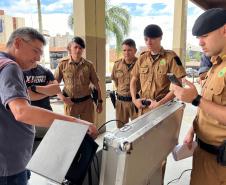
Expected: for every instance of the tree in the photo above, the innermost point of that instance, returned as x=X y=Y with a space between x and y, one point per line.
x=117 y=22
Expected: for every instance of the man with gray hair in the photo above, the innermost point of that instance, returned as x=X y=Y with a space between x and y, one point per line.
x=17 y=116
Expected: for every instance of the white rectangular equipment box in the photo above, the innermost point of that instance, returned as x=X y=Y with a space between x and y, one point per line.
x=133 y=155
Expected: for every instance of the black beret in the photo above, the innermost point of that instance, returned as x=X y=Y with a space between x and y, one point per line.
x=79 y=41
x=152 y=31
x=209 y=21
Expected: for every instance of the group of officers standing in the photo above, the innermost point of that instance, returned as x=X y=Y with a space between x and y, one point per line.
x=141 y=83
x=137 y=80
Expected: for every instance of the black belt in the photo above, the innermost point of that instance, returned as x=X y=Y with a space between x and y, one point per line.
x=79 y=100
x=124 y=98
x=207 y=147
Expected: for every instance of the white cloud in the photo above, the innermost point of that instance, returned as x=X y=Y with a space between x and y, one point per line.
x=20 y=6
x=190 y=22
x=53 y=23
x=165 y=22
x=60 y=4
x=141 y=1
x=138 y=23
x=30 y=6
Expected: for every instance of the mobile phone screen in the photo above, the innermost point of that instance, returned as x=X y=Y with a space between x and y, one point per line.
x=174 y=79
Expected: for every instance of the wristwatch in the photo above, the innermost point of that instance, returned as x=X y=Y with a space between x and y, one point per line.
x=33 y=88
x=100 y=101
x=196 y=101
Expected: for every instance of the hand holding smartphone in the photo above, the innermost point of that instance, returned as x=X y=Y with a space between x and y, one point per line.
x=173 y=79
x=146 y=103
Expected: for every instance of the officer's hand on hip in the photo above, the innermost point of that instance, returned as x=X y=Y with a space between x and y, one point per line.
x=99 y=108
x=67 y=100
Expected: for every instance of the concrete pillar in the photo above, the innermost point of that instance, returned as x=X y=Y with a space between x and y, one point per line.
x=89 y=16
x=179 y=28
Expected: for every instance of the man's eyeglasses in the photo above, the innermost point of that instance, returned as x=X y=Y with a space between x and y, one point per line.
x=36 y=50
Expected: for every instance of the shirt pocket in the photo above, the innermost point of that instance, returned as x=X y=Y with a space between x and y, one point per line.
x=218 y=90
x=143 y=74
x=162 y=75
x=120 y=76
x=84 y=76
x=68 y=76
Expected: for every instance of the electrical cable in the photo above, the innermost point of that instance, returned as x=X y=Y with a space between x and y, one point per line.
x=109 y=122
x=177 y=179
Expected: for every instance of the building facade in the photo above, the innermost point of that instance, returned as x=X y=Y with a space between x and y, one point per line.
x=8 y=24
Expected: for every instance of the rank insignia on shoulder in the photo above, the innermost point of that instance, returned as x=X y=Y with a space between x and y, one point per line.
x=178 y=61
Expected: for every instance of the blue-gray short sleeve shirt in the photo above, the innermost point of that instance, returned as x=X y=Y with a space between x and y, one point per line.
x=16 y=138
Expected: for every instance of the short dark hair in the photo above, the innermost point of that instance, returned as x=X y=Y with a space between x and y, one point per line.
x=26 y=33
x=129 y=42
x=153 y=31
x=79 y=41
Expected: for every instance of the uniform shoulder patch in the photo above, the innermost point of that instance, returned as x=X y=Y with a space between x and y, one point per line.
x=178 y=61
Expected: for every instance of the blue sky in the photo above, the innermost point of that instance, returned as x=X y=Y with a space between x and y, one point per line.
x=48 y=6
x=136 y=9
x=143 y=12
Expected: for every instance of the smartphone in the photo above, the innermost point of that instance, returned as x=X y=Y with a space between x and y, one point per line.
x=146 y=103
x=174 y=79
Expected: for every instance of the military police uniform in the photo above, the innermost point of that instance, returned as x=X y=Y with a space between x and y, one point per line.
x=152 y=74
x=121 y=75
x=208 y=129
x=77 y=78
x=211 y=134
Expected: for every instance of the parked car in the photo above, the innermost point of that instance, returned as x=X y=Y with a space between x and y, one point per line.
x=192 y=72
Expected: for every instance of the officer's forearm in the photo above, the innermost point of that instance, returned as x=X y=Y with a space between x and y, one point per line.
x=218 y=113
x=133 y=88
x=116 y=84
x=99 y=91
x=49 y=90
x=35 y=96
x=169 y=96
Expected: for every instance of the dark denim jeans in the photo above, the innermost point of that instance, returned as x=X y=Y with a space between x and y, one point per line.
x=18 y=179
